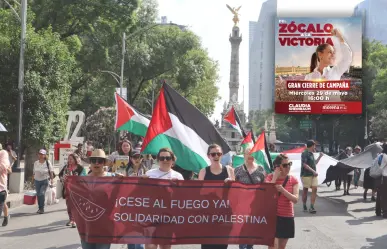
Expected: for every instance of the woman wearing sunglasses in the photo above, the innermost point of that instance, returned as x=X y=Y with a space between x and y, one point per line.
x=216 y=171
x=287 y=187
x=98 y=161
x=136 y=166
x=166 y=158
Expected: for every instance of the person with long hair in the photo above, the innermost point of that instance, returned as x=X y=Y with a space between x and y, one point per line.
x=166 y=159
x=72 y=168
x=322 y=62
x=287 y=187
x=218 y=172
x=125 y=149
x=43 y=176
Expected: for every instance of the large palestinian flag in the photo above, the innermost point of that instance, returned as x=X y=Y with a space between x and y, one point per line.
x=182 y=127
x=261 y=153
x=128 y=119
x=232 y=118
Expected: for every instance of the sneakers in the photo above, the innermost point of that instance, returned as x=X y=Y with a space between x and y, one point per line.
x=312 y=210
x=305 y=208
x=6 y=220
x=68 y=223
x=40 y=211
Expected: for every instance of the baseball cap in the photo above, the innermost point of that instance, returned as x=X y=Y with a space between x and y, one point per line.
x=310 y=143
x=43 y=152
x=136 y=152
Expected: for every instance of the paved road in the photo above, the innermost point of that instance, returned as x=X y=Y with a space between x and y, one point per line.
x=341 y=222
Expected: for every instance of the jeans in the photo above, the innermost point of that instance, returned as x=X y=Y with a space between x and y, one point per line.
x=245 y=246
x=41 y=187
x=135 y=246
x=87 y=245
x=3 y=196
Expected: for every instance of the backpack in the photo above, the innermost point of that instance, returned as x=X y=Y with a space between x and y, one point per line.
x=376 y=170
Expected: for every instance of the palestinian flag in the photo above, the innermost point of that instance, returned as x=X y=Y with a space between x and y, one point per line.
x=247 y=141
x=128 y=119
x=261 y=153
x=232 y=118
x=295 y=150
x=182 y=127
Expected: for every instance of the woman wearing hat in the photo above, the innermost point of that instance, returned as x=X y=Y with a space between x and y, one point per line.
x=98 y=161
x=43 y=176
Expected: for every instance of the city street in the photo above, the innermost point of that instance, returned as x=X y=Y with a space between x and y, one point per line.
x=341 y=222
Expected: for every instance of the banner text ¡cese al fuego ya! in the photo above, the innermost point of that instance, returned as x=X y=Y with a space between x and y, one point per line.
x=136 y=210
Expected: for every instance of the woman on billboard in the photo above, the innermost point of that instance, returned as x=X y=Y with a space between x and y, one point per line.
x=322 y=63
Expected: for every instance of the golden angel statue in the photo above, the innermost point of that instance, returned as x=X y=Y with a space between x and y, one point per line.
x=236 y=14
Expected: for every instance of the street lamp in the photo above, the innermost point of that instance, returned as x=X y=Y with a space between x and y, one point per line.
x=23 y=21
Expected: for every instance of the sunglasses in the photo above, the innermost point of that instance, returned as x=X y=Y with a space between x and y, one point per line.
x=97 y=160
x=165 y=158
x=285 y=165
x=136 y=157
x=214 y=154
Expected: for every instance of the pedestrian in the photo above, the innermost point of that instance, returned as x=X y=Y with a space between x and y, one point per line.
x=287 y=186
x=72 y=168
x=249 y=173
x=12 y=159
x=347 y=179
x=124 y=149
x=369 y=183
x=98 y=161
x=5 y=169
x=216 y=171
x=166 y=159
x=309 y=175
x=43 y=177
x=381 y=195
x=89 y=148
x=356 y=172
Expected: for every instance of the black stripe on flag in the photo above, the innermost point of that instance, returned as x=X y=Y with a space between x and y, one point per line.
x=190 y=116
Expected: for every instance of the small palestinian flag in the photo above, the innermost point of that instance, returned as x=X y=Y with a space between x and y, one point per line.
x=261 y=153
x=295 y=150
x=128 y=119
x=182 y=127
x=232 y=118
x=247 y=141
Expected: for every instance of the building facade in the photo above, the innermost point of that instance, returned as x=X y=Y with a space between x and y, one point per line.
x=374 y=14
x=261 y=59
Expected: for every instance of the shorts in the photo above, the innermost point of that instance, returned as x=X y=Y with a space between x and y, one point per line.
x=309 y=181
x=285 y=227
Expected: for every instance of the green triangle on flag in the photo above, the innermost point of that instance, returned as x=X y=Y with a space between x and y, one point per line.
x=261 y=153
x=128 y=119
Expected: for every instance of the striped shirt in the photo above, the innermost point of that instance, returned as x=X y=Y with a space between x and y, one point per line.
x=285 y=206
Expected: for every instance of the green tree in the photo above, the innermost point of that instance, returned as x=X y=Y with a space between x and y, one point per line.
x=48 y=75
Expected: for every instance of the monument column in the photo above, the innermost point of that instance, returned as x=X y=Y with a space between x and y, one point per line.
x=235 y=40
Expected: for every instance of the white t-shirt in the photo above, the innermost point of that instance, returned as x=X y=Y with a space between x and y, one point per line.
x=41 y=170
x=384 y=164
x=158 y=174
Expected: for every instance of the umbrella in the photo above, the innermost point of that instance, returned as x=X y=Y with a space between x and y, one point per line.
x=2 y=128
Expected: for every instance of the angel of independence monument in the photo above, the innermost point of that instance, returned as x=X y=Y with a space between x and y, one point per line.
x=231 y=135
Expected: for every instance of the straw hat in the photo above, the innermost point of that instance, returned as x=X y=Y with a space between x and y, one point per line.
x=98 y=154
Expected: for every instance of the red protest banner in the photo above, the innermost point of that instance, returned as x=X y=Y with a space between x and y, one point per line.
x=150 y=211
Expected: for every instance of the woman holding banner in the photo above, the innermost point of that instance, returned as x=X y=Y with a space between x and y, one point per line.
x=166 y=159
x=216 y=171
x=287 y=187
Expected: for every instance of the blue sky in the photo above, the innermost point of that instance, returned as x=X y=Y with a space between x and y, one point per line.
x=212 y=21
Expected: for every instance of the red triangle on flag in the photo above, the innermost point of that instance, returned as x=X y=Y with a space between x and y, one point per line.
x=123 y=111
x=230 y=116
x=160 y=122
x=259 y=144
x=248 y=139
